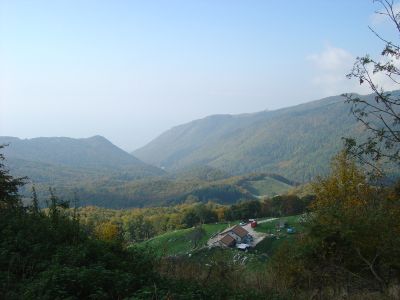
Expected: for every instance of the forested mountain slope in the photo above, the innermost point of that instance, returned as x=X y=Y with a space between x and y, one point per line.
x=297 y=142
x=65 y=160
x=167 y=190
x=99 y=173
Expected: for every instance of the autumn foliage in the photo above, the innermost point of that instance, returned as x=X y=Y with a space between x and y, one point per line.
x=352 y=241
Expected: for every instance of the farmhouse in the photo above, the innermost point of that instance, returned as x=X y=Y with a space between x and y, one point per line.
x=233 y=235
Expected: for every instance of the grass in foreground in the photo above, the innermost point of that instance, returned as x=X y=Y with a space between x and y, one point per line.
x=270 y=244
x=178 y=242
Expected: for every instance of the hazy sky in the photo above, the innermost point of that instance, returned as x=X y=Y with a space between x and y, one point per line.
x=128 y=70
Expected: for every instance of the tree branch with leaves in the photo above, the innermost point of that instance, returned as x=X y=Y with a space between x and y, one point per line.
x=379 y=115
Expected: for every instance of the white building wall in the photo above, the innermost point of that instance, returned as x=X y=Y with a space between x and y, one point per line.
x=235 y=236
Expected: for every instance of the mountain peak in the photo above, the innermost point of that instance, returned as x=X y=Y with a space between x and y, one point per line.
x=97 y=138
x=93 y=153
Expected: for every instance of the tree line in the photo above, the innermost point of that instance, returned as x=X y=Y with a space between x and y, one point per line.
x=140 y=224
x=51 y=255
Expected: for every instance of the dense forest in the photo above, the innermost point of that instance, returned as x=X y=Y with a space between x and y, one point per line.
x=296 y=142
x=102 y=174
x=140 y=224
x=51 y=255
x=204 y=185
x=63 y=161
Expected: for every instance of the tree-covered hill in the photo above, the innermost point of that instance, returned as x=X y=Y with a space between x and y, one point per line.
x=201 y=172
x=62 y=160
x=99 y=173
x=114 y=192
x=297 y=142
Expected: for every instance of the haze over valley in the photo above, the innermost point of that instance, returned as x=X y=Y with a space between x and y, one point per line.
x=200 y=150
x=295 y=142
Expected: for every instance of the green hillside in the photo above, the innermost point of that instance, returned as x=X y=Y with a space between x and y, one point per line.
x=66 y=162
x=265 y=185
x=201 y=172
x=94 y=153
x=161 y=191
x=297 y=142
x=271 y=244
x=179 y=241
x=100 y=173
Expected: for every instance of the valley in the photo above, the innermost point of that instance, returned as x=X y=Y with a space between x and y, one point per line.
x=223 y=158
x=205 y=150
x=204 y=227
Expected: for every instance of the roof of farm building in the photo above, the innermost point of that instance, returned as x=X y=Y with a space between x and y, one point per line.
x=240 y=231
x=227 y=240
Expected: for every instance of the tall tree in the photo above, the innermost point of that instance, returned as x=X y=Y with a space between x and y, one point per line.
x=35 y=201
x=350 y=239
x=55 y=206
x=381 y=115
x=9 y=185
x=75 y=215
x=354 y=225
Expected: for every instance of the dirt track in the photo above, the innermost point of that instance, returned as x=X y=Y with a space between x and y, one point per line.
x=257 y=236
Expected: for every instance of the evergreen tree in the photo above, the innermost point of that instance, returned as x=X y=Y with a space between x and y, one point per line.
x=9 y=197
x=75 y=215
x=35 y=202
x=55 y=204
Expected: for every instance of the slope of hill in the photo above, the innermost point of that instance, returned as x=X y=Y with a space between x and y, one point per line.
x=204 y=172
x=161 y=191
x=102 y=174
x=265 y=185
x=297 y=142
x=95 y=152
x=67 y=160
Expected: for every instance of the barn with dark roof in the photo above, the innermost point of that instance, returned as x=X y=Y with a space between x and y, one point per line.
x=233 y=235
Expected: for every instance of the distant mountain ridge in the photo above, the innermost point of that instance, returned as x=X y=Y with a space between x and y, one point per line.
x=61 y=159
x=93 y=152
x=224 y=158
x=297 y=142
x=99 y=173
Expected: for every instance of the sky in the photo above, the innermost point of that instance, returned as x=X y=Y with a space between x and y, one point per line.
x=129 y=70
